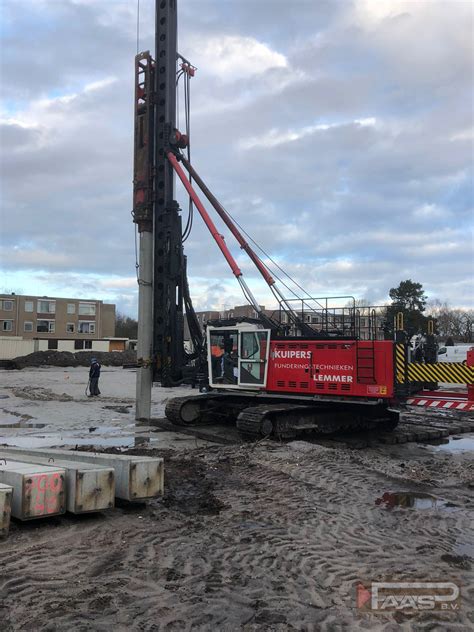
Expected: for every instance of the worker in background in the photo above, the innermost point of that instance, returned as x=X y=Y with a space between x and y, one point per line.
x=94 y=374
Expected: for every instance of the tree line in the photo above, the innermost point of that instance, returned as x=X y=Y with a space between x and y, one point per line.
x=125 y=326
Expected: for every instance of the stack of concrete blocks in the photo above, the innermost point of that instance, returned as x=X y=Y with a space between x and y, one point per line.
x=88 y=487
x=6 y=493
x=137 y=478
x=37 y=483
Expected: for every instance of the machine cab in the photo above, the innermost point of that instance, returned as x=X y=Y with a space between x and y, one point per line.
x=238 y=356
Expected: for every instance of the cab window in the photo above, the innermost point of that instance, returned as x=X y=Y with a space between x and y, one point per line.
x=224 y=356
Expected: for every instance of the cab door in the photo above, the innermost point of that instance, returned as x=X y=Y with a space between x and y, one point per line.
x=254 y=350
x=223 y=355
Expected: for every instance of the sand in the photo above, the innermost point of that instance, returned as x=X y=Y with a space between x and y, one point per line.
x=263 y=536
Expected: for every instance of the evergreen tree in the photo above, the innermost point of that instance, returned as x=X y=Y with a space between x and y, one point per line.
x=410 y=299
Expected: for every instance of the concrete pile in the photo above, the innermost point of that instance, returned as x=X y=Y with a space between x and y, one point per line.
x=37 y=483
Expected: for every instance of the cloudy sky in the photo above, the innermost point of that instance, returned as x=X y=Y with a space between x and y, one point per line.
x=339 y=133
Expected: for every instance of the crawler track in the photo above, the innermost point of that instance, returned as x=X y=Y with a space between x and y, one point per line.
x=175 y=410
x=256 y=418
x=256 y=422
x=287 y=421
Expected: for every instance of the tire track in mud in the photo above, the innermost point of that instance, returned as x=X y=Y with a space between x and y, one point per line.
x=282 y=549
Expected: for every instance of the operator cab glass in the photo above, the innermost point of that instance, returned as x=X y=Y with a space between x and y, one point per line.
x=224 y=356
x=253 y=357
x=238 y=357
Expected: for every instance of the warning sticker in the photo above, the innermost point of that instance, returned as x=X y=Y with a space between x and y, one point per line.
x=376 y=390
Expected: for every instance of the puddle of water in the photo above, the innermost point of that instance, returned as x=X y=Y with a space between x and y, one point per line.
x=465 y=548
x=14 y=421
x=21 y=424
x=99 y=430
x=462 y=444
x=413 y=500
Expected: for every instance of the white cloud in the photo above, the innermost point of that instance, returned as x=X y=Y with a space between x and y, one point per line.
x=430 y=211
x=234 y=57
x=372 y=13
x=118 y=283
x=275 y=137
x=465 y=134
x=428 y=42
x=33 y=257
x=100 y=85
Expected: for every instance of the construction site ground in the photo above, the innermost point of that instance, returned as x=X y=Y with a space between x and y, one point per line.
x=248 y=536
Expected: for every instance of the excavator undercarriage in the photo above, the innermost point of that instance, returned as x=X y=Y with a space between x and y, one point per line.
x=257 y=416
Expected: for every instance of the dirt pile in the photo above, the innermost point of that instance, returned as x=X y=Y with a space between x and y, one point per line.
x=41 y=394
x=68 y=359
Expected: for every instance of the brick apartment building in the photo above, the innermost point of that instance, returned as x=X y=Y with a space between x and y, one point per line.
x=43 y=317
x=239 y=311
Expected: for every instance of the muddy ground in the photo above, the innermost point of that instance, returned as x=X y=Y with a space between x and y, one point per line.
x=263 y=536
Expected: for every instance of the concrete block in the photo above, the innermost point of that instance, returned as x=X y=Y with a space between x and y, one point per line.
x=6 y=493
x=136 y=477
x=38 y=490
x=89 y=487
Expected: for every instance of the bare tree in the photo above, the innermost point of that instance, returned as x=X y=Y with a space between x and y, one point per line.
x=125 y=326
x=451 y=322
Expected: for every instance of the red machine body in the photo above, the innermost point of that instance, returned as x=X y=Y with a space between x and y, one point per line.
x=333 y=368
x=244 y=357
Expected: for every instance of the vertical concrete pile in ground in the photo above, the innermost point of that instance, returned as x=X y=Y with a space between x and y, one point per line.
x=136 y=477
x=89 y=487
x=38 y=490
x=5 y=508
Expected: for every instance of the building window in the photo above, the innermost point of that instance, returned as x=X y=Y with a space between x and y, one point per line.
x=46 y=307
x=45 y=326
x=7 y=325
x=27 y=325
x=86 y=327
x=28 y=306
x=70 y=328
x=7 y=306
x=71 y=308
x=87 y=309
x=82 y=344
x=52 y=344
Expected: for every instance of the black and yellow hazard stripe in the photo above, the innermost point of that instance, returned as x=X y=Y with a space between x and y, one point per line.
x=400 y=362
x=451 y=372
